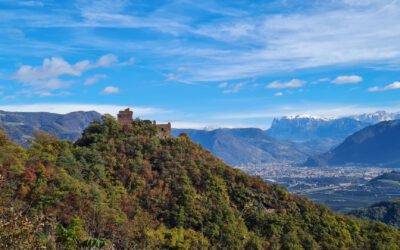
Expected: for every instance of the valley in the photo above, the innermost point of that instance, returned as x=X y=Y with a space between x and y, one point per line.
x=340 y=188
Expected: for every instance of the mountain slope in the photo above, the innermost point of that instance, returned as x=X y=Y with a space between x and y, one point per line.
x=377 y=145
x=21 y=125
x=386 y=211
x=247 y=146
x=127 y=189
x=386 y=180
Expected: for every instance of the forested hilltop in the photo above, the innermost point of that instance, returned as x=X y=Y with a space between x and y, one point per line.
x=127 y=189
x=386 y=211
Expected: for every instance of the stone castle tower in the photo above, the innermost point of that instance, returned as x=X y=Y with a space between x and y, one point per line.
x=125 y=118
x=164 y=130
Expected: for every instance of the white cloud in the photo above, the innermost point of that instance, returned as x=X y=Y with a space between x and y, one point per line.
x=329 y=36
x=94 y=79
x=44 y=93
x=106 y=61
x=340 y=80
x=171 y=77
x=64 y=108
x=361 y=3
x=278 y=94
x=130 y=61
x=294 y=83
x=325 y=79
x=227 y=32
x=352 y=32
x=233 y=88
x=223 y=85
x=47 y=75
x=51 y=68
x=31 y=3
x=113 y=14
x=189 y=125
x=53 y=84
x=110 y=90
x=204 y=126
x=317 y=109
x=392 y=86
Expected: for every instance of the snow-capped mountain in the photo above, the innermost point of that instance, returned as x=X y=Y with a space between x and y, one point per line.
x=302 y=128
x=323 y=133
x=306 y=116
x=378 y=116
x=306 y=127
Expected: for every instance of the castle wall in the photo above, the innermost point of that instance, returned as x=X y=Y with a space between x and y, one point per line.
x=164 y=130
x=125 y=119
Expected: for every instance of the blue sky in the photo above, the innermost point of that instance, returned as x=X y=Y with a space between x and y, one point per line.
x=201 y=63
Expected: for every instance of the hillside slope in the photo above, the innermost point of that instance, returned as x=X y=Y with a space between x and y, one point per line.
x=386 y=180
x=21 y=125
x=376 y=145
x=128 y=189
x=386 y=211
x=247 y=146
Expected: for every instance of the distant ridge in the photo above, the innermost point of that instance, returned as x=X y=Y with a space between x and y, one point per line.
x=378 y=116
x=305 y=127
x=247 y=146
x=302 y=128
x=391 y=179
x=291 y=139
x=376 y=145
x=386 y=211
x=20 y=125
x=324 y=133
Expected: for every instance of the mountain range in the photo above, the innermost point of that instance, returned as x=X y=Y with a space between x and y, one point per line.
x=291 y=139
x=376 y=145
x=324 y=133
x=21 y=125
x=247 y=145
x=303 y=128
x=376 y=117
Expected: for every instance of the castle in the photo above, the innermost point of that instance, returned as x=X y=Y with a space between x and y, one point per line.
x=164 y=130
x=125 y=119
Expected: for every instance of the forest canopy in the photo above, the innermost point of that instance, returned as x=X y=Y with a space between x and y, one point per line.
x=128 y=189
